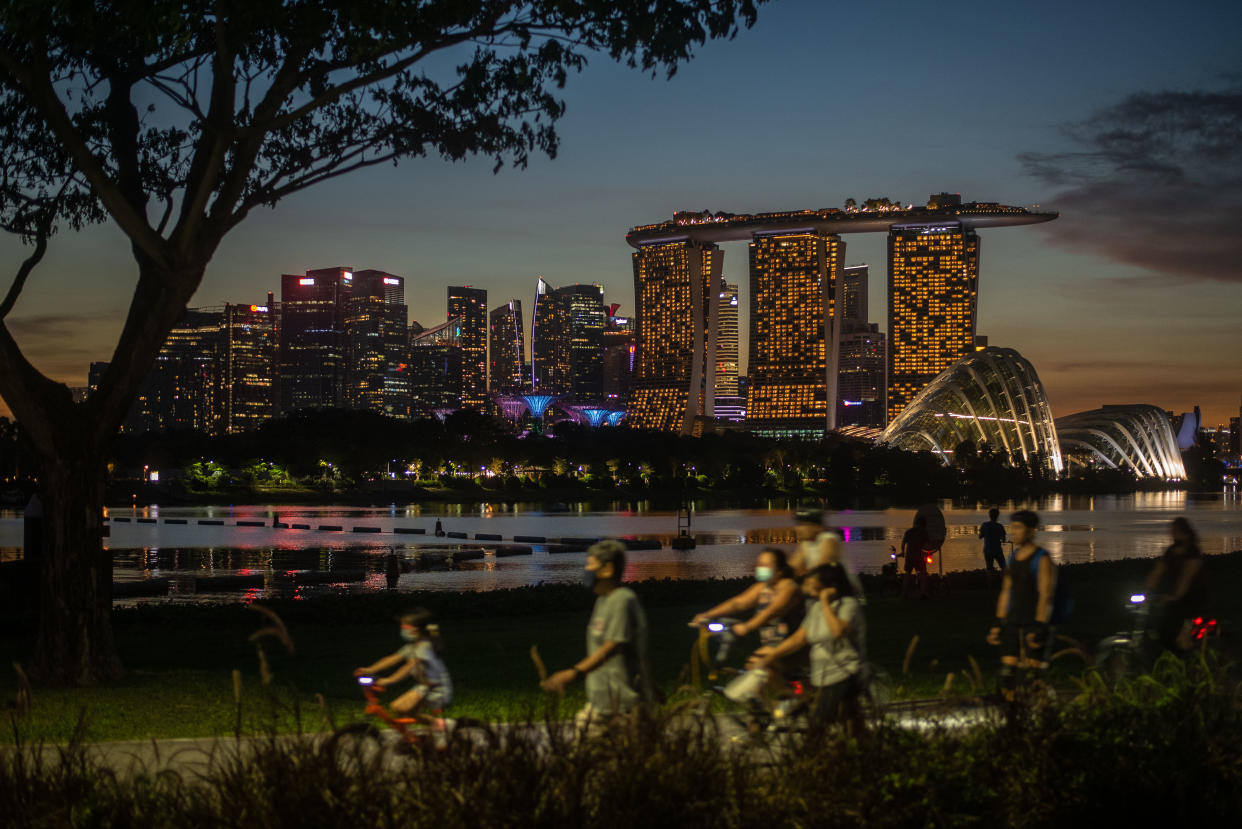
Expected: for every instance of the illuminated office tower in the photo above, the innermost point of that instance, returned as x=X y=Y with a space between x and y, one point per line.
x=567 y=341
x=795 y=280
x=247 y=376
x=377 y=334
x=854 y=294
x=620 y=357
x=470 y=306
x=933 y=282
x=508 y=348
x=726 y=344
x=676 y=288
x=861 y=386
x=549 y=361
x=180 y=390
x=435 y=367
x=313 y=345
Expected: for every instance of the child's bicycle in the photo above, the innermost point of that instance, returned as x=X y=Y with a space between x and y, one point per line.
x=432 y=730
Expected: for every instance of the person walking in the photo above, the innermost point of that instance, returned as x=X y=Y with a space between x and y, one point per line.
x=993 y=535
x=913 y=546
x=1024 y=607
x=616 y=670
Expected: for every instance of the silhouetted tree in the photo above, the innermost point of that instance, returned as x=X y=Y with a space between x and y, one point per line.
x=176 y=120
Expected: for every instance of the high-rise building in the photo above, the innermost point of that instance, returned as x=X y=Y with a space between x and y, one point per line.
x=95 y=376
x=508 y=349
x=620 y=357
x=377 y=333
x=181 y=389
x=933 y=289
x=469 y=305
x=727 y=343
x=854 y=294
x=861 y=383
x=567 y=341
x=247 y=376
x=313 y=343
x=795 y=282
x=436 y=367
x=676 y=288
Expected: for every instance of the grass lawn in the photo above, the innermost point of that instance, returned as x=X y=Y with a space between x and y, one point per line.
x=180 y=660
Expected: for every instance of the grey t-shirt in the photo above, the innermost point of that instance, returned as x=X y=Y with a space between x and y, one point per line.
x=622 y=680
x=430 y=670
x=835 y=658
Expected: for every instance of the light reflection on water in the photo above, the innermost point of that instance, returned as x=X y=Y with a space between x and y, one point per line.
x=1076 y=529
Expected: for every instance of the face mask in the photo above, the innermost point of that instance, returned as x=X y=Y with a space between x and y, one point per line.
x=588 y=579
x=763 y=574
x=409 y=635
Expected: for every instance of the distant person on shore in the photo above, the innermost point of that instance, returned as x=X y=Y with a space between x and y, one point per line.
x=913 y=545
x=993 y=535
x=617 y=674
x=421 y=658
x=1024 y=608
x=1179 y=582
x=439 y=531
x=808 y=524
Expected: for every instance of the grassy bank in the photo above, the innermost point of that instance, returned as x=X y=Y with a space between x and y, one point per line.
x=181 y=658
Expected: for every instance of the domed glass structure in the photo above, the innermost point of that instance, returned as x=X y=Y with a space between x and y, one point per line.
x=992 y=395
x=1138 y=437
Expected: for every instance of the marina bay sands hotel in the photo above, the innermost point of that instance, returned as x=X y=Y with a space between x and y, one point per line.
x=797 y=301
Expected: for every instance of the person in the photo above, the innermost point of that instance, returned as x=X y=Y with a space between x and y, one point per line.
x=808 y=524
x=615 y=669
x=993 y=535
x=836 y=632
x=439 y=531
x=1024 y=607
x=913 y=543
x=778 y=612
x=1180 y=583
x=420 y=657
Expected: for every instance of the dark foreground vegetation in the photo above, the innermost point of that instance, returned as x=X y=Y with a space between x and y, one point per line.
x=1163 y=750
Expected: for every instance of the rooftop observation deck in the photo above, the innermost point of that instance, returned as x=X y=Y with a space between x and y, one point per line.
x=735 y=227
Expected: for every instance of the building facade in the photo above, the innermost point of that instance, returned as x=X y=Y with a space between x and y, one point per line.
x=676 y=288
x=508 y=349
x=248 y=376
x=1139 y=438
x=861 y=386
x=313 y=343
x=436 y=368
x=794 y=341
x=933 y=290
x=469 y=305
x=854 y=294
x=620 y=357
x=377 y=333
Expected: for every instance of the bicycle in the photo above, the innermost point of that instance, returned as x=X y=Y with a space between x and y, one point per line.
x=430 y=730
x=1133 y=652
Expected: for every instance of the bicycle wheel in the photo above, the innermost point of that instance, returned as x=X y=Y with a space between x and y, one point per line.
x=1117 y=662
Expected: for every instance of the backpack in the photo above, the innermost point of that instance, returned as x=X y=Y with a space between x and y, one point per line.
x=1062 y=595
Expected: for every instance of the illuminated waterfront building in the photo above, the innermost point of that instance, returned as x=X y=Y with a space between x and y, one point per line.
x=248 y=376
x=377 y=333
x=854 y=294
x=181 y=389
x=435 y=368
x=676 y=288
x=1139 y=438
x=313 y=345
x=469 y=305
x=567 y=341
x=727 y=343
x=861 y=376
x=794 y=283
x=620 y=357
x=508 y=348
x=933 y=281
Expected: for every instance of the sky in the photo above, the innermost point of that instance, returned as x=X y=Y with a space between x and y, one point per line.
x=1125 y=116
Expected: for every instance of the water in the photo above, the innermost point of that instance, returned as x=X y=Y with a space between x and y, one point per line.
x=1076 y=529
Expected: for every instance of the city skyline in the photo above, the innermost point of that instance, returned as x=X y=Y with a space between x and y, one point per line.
x=1108 y=315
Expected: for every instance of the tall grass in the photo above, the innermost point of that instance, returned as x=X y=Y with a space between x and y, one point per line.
x=1166 y=748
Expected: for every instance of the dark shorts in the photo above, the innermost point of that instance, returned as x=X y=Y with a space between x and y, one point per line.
x=1013 y=642
x=838 y=702
x=916 y=562
x=997 y=556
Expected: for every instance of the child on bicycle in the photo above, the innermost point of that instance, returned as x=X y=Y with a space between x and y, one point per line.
x=420 y=657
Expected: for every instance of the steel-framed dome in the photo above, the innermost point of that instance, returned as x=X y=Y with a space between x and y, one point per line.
x=1136 y=437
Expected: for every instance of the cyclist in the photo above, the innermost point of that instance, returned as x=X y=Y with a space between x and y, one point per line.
x=420 y=657
x=1024 y=606
x=1181 y=584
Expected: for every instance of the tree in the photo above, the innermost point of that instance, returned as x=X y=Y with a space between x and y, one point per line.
x=176 y=120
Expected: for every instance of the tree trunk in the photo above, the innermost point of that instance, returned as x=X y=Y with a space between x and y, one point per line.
x=75 y=644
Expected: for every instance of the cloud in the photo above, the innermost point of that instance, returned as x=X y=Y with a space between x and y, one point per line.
x=1154 y=182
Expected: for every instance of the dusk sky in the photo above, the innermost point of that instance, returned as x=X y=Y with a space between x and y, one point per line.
x=1132 y=296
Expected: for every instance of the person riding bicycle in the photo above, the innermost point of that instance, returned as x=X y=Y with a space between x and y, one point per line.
x=420 y=657
x=1024 y=607
x=835 y=630
x=1180 y=583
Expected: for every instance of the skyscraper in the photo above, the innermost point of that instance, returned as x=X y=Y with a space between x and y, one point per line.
x=620 y=357
x=470 y=306
x=795 y=280
x=676 y=288
x=180 y=391
x=854 y=294
x=313 y=346
x=933 y=279
x=727 y=343
x=377 y=332
x=567 y=341
x=508 y=349
x=436 y=367
x=247 y=377
x=861 y=386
